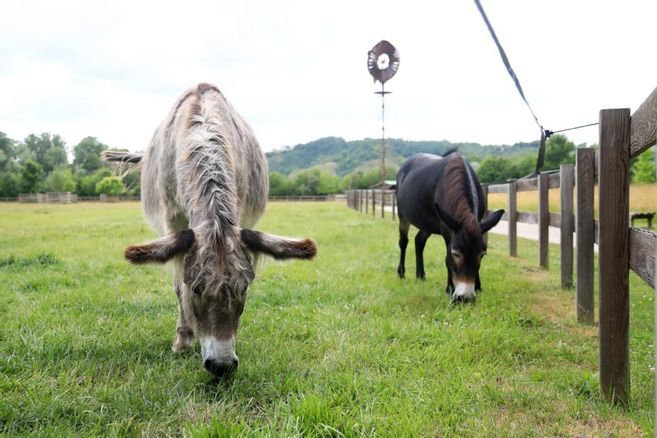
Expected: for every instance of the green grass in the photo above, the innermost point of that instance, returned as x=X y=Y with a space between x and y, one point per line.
x=337 y=346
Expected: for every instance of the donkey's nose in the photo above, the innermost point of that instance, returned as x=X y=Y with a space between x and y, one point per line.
x=463 y=299
x=220 y=369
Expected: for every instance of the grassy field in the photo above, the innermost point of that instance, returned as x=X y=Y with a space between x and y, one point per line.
x=337 y=346
x=643 y=198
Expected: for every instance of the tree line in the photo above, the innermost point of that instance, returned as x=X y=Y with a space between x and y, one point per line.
x=40 y=163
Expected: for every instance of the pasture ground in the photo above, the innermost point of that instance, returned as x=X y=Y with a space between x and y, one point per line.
x=337 y=346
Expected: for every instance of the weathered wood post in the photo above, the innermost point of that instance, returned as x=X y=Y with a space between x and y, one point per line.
x=585 y=183
x=367 y=201
x=484 y=189
x=383 y=203
x=394 y=204
x=513 y=218
x=373 y=202
x=614 y=313
x=543 y=220
x=360 y=200
x=566 y=183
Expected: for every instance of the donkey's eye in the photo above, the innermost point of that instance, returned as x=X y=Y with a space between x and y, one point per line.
x=457 y=254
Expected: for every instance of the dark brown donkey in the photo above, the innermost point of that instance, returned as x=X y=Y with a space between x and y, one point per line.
x=441 y=195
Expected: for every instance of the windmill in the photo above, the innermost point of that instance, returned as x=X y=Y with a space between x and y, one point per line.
x=383 y=63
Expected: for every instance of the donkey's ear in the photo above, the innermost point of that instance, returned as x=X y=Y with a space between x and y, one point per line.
x=162 y=249
x=448 y=220
x=278 y=247
x=491 y=221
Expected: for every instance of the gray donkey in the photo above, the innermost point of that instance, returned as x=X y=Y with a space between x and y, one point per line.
x=204 y=185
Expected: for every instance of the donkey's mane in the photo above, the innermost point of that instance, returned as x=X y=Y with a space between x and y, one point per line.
x=210 y=182
x=459 y=193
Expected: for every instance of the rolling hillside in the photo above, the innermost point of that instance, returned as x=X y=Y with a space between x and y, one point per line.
x=344 y=157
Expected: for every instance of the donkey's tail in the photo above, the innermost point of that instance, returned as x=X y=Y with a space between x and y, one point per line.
x=122 y=157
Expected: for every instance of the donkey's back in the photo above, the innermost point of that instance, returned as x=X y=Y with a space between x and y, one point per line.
x=204 y=147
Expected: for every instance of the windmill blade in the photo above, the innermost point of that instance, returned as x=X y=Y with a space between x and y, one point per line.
x=383 y=61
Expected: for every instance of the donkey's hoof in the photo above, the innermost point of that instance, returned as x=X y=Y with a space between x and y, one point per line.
x=181 y=347
x=400 y=272
x=184 y=341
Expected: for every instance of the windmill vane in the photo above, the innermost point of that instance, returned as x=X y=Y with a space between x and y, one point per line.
x=383 y=61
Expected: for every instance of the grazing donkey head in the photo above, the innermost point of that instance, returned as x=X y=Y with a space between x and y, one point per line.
x=214 y=283
x=204 y=185
x=465 y=250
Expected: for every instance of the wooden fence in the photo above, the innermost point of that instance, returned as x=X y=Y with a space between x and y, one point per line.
x=620 y=249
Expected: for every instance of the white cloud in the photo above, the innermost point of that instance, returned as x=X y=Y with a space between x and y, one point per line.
x=296 y=69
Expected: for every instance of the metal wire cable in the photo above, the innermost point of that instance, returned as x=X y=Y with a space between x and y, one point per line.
x=505 y=60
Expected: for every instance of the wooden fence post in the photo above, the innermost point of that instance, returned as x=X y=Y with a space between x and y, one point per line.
x=484 y=189
x=585 y=228
x=614 y=313
x=566 y=177
x=373 y=202
x=513 y=218
x=367 y=201
x=543 y=220
x=394 y=204
x=383 y=203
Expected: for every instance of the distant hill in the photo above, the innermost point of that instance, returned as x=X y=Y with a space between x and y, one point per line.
x=341 y=157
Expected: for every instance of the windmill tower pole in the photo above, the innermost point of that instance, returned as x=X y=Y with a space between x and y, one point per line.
x=383 y=136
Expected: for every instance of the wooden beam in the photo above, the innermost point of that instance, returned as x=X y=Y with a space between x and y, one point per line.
x=527 y=217
x=484 y=189
x=643 y=131
x=543 y=220
x=567 y=224
x=498 y=188
x=614 y=254
x=585 y=183
x=513 y=241
x=643 y=247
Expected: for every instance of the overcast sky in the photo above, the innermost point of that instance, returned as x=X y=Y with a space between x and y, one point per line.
x=296 y=70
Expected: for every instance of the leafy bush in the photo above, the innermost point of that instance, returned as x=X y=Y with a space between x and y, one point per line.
x=110 y=186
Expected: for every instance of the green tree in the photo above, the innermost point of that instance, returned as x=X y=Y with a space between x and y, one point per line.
x=87 y=183
x=558 y=150
x=60 y=180
x=32 y=176
x=110 y=186
x=7 y=152
x=10 y=184
x=279 y=184
x=87 y=155
x=496 y=169
x=643 y=169
x=328 y=184
x=47 y=150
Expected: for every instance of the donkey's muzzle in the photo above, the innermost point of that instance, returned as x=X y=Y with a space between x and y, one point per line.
x=220 y=369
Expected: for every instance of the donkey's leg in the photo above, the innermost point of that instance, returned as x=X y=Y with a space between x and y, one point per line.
x=449 y=289
x=404 y=225
x=184 y=331
x=420 y=241
x=477 y=283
